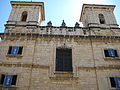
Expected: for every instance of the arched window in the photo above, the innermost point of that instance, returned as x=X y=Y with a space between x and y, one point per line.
x=24 y=16
x=101 y=19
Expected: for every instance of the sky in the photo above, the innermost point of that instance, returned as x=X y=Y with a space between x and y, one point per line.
x=58 y=10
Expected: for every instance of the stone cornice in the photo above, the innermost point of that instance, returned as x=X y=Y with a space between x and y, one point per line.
x=47 y=66
x=100 y=67
x=38 y=26
x=24 y=65
x=37 y=34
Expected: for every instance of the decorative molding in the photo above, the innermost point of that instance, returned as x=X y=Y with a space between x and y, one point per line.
x=37 y=34
x=24 y=65
x=64 y=47
x=46 y=66
x=100 y=67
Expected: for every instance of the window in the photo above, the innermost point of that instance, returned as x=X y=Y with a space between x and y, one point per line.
x=24 y=16
x=101 y=19
x=64 y=59
x=8 y=80
x=15 y=50
x=115 y=82
x=110 y=53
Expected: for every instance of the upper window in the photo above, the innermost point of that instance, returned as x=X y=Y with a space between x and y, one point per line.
x=115 y=82
x=64 y=59
x=24 y=16
x=15 y=50
x=101 y=19
x=8 y=80
x=110 y=53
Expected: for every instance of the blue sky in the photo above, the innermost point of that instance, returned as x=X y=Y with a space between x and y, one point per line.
x=58 y=10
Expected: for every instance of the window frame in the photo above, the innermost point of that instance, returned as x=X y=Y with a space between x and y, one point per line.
x=21 y=48
x=111 y=58
x=110 y=82
x=64 y=71
x=53 y=75
x=24 y=16
x=12 y=85
x=116 y=54
x=101 y=17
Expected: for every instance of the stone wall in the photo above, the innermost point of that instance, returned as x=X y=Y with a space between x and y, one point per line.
x=36 y=67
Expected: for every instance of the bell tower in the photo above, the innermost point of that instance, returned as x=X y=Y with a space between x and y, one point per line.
x=93 y=15
x=26 y=13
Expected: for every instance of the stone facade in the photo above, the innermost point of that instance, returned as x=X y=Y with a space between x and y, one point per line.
x=35 y=67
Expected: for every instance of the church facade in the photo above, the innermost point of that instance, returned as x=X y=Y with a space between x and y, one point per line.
x=35 y=57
